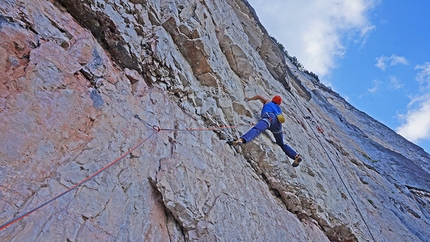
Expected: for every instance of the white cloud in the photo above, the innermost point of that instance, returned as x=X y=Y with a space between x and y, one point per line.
x=395 y=60
x=416 y=124
x=374 y=89
x=315 y=31
x=395 y=83
x=364 y=34
x=424 y=76
x=383 y=61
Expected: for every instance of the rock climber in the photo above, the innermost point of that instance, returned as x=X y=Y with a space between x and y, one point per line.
x=272 y=119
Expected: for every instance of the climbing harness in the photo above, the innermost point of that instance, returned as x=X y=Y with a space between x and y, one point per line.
x=337 y=171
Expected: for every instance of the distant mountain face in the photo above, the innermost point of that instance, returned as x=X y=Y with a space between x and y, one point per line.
x=133 y=101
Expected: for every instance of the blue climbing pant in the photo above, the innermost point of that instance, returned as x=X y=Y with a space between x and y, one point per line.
x=269 y=121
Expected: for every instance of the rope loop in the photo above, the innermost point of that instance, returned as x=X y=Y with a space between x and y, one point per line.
x=156 y=128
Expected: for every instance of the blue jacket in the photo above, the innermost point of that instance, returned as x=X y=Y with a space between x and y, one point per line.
x=271 y=107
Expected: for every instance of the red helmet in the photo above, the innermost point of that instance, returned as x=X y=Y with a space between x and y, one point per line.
x=277 y=99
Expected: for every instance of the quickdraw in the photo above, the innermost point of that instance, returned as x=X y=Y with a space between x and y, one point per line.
x=319 y=128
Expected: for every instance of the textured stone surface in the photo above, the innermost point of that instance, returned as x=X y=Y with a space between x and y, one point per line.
x=73 y=76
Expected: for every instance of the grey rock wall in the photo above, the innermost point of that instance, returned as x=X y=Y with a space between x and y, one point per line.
x=74 y=75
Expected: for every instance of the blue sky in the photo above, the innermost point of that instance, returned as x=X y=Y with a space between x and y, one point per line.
x=374 y=53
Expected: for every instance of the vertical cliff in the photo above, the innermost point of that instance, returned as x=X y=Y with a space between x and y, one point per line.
x=143 y=94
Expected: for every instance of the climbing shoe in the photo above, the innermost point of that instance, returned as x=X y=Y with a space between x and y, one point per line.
x=297 y=160
x=235 y=142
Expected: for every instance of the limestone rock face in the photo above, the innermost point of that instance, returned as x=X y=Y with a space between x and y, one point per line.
x=137 y=98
